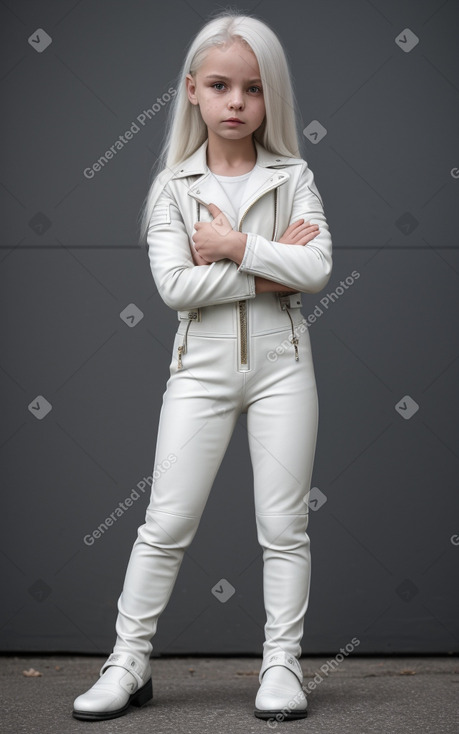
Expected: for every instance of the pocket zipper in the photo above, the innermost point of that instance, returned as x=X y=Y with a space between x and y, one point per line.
x=183 y=345
x=293 y=338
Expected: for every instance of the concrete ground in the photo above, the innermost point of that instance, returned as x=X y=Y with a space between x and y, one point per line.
x=366 y=695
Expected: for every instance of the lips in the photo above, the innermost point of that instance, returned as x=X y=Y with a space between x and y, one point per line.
x=233 y=119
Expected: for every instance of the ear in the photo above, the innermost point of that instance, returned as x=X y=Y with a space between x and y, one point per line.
x=191 y=89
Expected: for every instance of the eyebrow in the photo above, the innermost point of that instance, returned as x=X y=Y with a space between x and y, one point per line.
x=227 y=79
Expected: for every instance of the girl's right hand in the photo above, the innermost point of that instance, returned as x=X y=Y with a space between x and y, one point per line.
x=299 y=233
x=197 y=259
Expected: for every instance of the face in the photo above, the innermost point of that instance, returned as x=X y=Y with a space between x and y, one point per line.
x=228 y=85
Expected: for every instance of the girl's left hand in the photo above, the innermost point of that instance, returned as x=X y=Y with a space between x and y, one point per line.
x=217 y=240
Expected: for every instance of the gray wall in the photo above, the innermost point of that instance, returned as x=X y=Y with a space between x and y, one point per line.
x=385 y=541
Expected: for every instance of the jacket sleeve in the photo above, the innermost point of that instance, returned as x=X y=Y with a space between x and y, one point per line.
x=182 y=284
x=304 y=267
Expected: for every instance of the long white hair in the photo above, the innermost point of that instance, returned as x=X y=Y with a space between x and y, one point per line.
x=186 y=130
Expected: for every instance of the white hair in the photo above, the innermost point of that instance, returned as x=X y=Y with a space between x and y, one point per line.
x=186 y=130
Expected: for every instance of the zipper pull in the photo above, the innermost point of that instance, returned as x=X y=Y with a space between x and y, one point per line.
x=294 y=341
x=293 y=338
x=181 y=349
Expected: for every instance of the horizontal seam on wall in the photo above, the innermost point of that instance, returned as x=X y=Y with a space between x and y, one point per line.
x=275 y=514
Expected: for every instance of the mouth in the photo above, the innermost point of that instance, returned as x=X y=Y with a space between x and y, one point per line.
x=234 y=119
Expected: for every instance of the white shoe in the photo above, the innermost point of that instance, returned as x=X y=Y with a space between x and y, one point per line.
x=121 y=683
x=281 y=694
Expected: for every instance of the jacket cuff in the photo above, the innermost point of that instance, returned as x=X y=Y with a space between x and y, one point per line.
x=250 y=284
x=246 y=264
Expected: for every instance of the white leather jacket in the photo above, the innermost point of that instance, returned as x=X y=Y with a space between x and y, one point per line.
x=220 y=298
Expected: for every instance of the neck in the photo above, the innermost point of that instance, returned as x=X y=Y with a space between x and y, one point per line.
x=230 y=153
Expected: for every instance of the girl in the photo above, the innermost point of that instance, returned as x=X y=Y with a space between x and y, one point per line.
x=232 y=228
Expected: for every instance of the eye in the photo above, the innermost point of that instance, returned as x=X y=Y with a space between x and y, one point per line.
x=258 y=90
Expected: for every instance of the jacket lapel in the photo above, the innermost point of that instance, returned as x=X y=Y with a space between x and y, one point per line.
x=207 y=189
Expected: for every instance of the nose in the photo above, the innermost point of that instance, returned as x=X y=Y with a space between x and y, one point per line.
x=236 y=99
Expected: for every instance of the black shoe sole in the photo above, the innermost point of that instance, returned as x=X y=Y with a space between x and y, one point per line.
x=139 y=698
x=280 y=715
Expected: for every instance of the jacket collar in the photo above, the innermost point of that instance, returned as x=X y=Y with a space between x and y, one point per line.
x=196 y=163
x=206 y=187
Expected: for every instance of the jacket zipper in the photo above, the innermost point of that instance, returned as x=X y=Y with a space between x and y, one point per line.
x=242 y=305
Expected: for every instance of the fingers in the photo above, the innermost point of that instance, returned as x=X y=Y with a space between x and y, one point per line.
x=199 y=260
x=307 y=238
x=296 y=227
x=304 y=235
x=306 y=225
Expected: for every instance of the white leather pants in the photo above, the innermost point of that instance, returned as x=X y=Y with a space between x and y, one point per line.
x=201 y=405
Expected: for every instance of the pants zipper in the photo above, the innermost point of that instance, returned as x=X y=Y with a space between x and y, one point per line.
x=183 y=345
x=293 y=338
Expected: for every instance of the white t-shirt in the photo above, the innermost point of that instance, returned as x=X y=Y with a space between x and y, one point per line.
x=234 y=187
